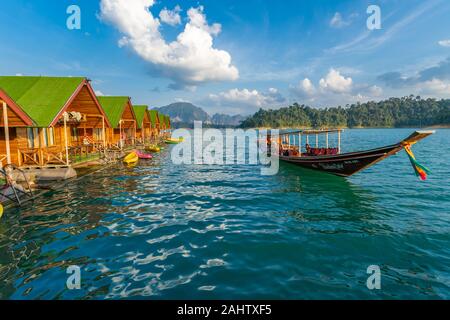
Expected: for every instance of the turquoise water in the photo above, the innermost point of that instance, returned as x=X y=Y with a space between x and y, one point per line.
x=158 y=231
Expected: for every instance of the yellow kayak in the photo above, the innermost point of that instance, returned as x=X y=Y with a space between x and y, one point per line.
x=131 y=158
x=174 y=141
x=153 y=148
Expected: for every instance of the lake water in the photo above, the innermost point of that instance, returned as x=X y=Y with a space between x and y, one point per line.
x=159 y=231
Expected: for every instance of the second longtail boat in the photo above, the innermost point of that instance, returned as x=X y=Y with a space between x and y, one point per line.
x=331 y=160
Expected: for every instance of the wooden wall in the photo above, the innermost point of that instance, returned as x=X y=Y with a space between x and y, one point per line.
x=85 y=104
x=15 y=142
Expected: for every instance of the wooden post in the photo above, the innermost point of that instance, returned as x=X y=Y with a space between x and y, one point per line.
x=307 y=139
x=317 y=140
x=120 y=134
x=339 y=141
x=300 y=144
x=66 y=143
x=41 y=146
x=327 y=140
x=103 y=132
x=5 y=122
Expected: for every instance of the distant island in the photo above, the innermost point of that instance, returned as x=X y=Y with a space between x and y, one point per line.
x=408 y=111
x=183 y=115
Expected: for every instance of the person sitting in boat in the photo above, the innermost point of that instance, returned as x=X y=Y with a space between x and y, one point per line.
x=308 y=148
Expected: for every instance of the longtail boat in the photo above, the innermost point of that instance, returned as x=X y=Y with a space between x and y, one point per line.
x=332 y=161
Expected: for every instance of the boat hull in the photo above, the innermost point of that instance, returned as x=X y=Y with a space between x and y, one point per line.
x=348 y=164
x=153 y=149
x=131 y=158
x=144 y=156
x=344 y=165
x=174 y=141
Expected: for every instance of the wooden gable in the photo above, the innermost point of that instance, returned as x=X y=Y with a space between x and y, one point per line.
x=85 y=102
x=16 y=116
x=128 y=118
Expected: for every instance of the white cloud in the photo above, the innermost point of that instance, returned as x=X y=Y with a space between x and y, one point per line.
x=171 y=17
x=182 y=100
x=335 y=82
x=435 y=87
x=375 y=91
x=304 y=88
x=99 y=93
x=332 y=90
x=338 y=22
x=189 y=60
x=366 y=40
x=431 y=81
x=444 y=43
x=248 y=99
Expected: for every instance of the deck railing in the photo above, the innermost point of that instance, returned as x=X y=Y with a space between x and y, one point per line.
x=50 y=156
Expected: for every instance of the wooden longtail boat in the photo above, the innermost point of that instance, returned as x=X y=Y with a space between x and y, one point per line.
x=331 y=160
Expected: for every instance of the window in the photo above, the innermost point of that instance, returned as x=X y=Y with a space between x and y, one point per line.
x=74 y=134
x=98 y=134
x=33 y=137
x=51 y=134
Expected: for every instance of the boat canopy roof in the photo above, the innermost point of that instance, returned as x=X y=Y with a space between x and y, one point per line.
x=324 y=131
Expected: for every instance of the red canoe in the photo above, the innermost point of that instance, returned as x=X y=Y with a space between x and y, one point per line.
x=143 y=155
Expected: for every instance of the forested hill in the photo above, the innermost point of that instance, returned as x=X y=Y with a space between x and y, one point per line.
x=395 y=112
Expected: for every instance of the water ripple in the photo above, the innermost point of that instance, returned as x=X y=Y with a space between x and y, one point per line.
x=166 y=231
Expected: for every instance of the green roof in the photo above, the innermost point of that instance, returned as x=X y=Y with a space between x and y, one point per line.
x=162 y=119
x=165 y=119
x=139 y=111
x=168 y=121
x=114 y=108
x=42 y=98
x=153 y=117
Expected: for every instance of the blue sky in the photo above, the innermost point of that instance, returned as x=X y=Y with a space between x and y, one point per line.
x=234 y=56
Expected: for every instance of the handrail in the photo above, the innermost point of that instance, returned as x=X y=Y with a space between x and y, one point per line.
x=9 y=182
x=311 y=132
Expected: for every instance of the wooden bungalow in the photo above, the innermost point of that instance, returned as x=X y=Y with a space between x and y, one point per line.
x=12 y=117
x=61 y=120
x=155 y=132
x=120 y=113
x=143 y=123
x=168 y=126
x=162 y=124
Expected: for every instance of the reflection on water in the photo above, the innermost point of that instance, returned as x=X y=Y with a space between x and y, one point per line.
x=163 y=231
x=355 y=200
